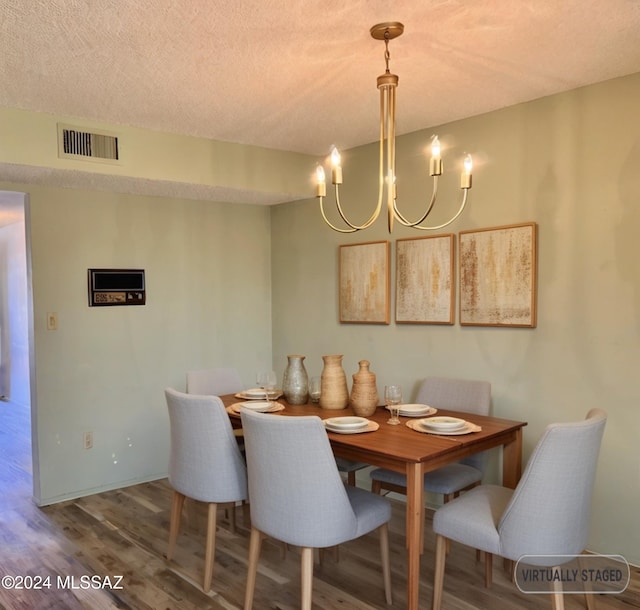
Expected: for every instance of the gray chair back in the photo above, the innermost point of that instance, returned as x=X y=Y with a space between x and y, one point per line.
x=205 y=462
x=550 y=509
x=214 y=382
x=467 y=395
x=296 y=493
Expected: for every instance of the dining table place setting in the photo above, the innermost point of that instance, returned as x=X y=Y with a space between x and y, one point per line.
x=259 y=394
x=261 y=406
x=350 y=425
x=443 y=426
x=415 y=410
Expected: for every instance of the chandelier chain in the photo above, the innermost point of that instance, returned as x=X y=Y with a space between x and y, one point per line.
x=387 y=53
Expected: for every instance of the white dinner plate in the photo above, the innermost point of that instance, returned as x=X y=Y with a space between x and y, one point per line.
x=346 y=423
x=443 y=423
x=258 y=394
x=416 y=410
x=259 y=406
x=254 y=393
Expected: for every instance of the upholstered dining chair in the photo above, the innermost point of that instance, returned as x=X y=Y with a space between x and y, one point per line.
x=349 y=467
x=298 y=497
x=214 y=381
x=547 y=514
x=453 y=395
x=205 y=464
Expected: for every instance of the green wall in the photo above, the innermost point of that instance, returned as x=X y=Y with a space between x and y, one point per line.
x=569 y=163
x=104 y=370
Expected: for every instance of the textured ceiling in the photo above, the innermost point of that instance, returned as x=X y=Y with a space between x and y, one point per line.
x=300 y=75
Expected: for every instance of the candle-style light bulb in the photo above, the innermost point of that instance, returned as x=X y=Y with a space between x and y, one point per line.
x=336 y=172
x=465 y=178
x=335 y=157
x=435 y=147
x=321 y=187
x=435 y=166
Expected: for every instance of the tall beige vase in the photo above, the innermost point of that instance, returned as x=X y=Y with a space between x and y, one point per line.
x=333 y=384
x=364 y=392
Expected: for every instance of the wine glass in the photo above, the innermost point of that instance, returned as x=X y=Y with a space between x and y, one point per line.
x=314 y=389
x=267 y=381
x=393 y=399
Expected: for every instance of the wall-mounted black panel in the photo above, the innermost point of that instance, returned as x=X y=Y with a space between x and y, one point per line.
x=116 y=287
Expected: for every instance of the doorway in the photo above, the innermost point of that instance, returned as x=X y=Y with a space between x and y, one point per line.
x=16 y=345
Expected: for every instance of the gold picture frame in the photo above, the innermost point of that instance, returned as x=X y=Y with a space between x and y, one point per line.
x=364 y=282
x=498 y=276
x=425 y=271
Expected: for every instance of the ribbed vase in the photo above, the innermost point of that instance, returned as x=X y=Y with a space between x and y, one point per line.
x=295 y=383
x=364 y=392
x=334 y=393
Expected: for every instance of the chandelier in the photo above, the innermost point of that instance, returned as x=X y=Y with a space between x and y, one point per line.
x=387 y=84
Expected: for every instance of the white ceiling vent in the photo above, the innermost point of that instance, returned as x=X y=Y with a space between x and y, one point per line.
x=75 y=143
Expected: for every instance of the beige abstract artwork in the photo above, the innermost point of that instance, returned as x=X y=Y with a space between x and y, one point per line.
x=424 y=280
x=364 y=282
x=498 y=276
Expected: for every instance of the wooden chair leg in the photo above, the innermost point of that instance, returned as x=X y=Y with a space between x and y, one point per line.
x=336 y=553
x=232 y=518
x=386 y=565
x=510 y=568
x=438 y=571
x=255 y=542
x=376 y=487
x=351 y=478
x=318 y=554
x=557 y=599
x=210 y=549
x=306 y=576
x=447 y=498
x=488 y=570
x=589 y=597
x=174 y=523
x=246 y=516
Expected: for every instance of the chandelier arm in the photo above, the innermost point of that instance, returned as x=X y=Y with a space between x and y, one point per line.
x=444 y=224
x=353 y=227
x=408 y=223
x=368 y=222
x=352 y=230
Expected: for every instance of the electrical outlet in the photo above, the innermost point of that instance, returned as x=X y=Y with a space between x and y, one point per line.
x=87 y=439
x=52 y=320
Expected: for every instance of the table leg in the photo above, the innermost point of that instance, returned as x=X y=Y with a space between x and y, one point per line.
x=512 y=460
x=415 y=528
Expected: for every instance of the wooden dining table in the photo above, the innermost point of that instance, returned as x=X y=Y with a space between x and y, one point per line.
x=414 y=453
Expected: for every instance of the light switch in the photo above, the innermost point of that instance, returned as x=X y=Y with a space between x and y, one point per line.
x=52 y=320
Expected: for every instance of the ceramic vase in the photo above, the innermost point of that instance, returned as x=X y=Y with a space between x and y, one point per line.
x=295 y=383
x=333 y=384
x=364 y=392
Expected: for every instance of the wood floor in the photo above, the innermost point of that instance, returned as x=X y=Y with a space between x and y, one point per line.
x=124 y=533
